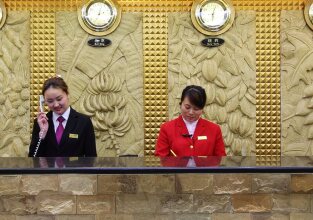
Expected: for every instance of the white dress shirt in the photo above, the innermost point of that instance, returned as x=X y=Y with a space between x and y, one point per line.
x=55 y=117
x=191 y=126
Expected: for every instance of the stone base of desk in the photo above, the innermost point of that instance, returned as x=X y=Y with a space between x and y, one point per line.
x=172 y=196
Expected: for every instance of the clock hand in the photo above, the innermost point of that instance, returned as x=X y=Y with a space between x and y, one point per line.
x=213 y=13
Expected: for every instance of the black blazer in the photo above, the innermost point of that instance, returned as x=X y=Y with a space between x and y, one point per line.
x=78 y=139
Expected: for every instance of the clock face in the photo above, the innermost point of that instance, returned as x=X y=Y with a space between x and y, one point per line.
x=100 y=14
x=212 y=17
x=99 y=17
x=213 y=14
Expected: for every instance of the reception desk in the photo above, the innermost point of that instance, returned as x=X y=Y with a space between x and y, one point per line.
x=211 y=188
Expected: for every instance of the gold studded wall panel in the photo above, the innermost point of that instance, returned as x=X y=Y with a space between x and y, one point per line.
x=43 y=58
x=42 y=53
x=268 y=87
x=155 y=76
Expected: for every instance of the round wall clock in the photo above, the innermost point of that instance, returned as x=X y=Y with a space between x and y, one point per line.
x=3 y=14
x=308 y=13
x=212 y=17
x=99 y=17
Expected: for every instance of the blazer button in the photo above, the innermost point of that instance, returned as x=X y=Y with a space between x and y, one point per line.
x=191 y=146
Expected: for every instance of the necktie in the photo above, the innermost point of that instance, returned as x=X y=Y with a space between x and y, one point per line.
x=60 y=129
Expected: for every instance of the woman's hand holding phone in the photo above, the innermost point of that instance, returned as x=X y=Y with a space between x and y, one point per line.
x=42 y=119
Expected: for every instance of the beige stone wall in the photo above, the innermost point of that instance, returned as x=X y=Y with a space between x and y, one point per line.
x=296 y=84
x=181 y=196
x=15 y=85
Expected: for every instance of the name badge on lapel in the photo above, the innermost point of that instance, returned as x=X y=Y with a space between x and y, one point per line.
x=73 y=136
x=202 y=138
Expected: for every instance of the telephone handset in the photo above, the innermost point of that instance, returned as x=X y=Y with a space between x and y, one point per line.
x=41 y=103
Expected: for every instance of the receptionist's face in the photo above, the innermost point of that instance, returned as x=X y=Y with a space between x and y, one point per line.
x=57 y=100
x=190 y=112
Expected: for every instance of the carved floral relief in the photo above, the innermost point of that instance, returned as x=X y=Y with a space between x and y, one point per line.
x=14 y=85
x=226 y=72
x=296 y=84
x=105 y=83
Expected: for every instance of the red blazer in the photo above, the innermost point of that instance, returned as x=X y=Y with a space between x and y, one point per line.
x=206 y=141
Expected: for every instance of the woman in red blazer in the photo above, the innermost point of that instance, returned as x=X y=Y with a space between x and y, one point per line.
x=189 y=134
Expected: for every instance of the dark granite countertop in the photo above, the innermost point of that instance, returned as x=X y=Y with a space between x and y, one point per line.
x=151 y=165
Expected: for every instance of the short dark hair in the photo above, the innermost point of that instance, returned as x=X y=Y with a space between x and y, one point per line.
x=195 y=94
x=54 y=82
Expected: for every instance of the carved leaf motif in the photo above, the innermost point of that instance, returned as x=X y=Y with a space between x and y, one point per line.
x=246 y=108
x=210 y=92
x=304 y=50
x=229 y=65
x=232 y=104
x=233 y=84
x=221 y=115
x=207 y=54
x=245 y=126
x=308 y=91
x=310 y=105
x=176 y=51
x=288 y=50
x=14 y=86
x=200 y=50
x=297 y=89
x=209 y=70
x=211 y=112
x=185 y=70
x=229 y=138
x=14 y=38
x=300 y=40
x=310 y=133
x=220 y=97
x=309 y=119
x=234 y=121
x=221 y=81
x=301 y=109
x=301 y=70
x=294 y=149
x=242 y=91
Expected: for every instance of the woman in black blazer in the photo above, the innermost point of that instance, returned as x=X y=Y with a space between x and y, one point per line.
x=62 y=132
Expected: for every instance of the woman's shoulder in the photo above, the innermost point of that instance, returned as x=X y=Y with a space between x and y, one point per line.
x=79 y=114
x=171 y=122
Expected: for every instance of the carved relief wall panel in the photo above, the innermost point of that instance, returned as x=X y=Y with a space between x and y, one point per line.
x=15 y=84
x=297 y=84
x=226 y=72
x=105 y=83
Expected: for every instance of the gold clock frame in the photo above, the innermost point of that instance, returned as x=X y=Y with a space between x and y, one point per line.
x=97 y=31
x=307 y=16
x=212 y=31
x=3 y=15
